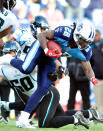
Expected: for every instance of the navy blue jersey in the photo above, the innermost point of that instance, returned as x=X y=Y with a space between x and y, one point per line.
x=63 y=35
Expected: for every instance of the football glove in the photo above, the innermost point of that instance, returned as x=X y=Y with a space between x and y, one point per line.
x=52 y=53
x=53 y=76
x=94 y=81
x=61 y=71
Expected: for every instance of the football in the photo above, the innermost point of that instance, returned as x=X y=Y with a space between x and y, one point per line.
x=54 y=45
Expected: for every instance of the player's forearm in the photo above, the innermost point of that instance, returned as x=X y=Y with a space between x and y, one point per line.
x=88 y=70
x=90 y=74
x=5 y=32
x=42 y=40
x=42 y=37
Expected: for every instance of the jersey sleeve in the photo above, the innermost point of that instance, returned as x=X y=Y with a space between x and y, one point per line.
x=87 y=52
x=83 y=55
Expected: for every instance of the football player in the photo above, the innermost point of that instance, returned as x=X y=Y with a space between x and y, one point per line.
x=35 y=56
x=50 y=112
x=21 y=83
x=75 y=41
x=7 y=18
x=65 y=35
x=26 y=36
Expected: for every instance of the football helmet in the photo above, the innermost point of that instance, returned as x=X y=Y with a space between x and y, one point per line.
x=9 y=4
x=11 y=46
x=37 y=24
x=85 y=31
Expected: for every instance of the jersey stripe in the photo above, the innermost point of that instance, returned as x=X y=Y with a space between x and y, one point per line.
x=31 y=55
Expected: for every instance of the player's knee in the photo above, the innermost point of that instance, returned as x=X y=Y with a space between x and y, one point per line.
x=43 y=91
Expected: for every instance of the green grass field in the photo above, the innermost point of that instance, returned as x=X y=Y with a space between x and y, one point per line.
x=11 y=127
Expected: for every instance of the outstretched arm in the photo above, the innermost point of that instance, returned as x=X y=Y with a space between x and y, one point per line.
x=89 y=72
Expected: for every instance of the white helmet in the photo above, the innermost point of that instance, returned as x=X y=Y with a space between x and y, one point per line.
x=84 y=30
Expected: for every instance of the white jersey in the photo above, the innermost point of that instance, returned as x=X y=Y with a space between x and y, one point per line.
x=23 y=36
x=7 y=18
x=27 y=84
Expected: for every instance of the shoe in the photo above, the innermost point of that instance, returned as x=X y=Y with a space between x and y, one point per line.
x=81 y=120
x=23 y=123
x=96 y=114
x=4 y=114
x=30 y=122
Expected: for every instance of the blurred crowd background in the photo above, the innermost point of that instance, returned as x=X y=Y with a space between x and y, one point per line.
x=59 y=12
x=62 y=12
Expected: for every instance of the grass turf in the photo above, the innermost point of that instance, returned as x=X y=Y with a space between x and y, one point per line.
x=11 y=127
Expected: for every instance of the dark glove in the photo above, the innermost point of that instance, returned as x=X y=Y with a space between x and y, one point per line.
x=61 y=71
x=53 y=76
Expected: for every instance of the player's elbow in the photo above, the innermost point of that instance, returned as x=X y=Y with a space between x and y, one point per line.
x=26 y=71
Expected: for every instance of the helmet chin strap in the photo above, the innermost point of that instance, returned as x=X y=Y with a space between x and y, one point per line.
x=79 y=47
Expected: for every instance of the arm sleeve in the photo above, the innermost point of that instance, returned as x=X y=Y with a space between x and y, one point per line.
x=75 y=53
x=84 y=55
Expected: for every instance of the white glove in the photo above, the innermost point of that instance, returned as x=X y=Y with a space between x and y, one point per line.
x=5 y=59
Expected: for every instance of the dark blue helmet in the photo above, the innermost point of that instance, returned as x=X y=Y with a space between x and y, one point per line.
x=11 y=46
x=9 y=4
x=38 y=22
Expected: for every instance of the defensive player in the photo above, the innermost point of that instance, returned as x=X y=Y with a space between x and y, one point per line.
x=50 y=112
x=26 y=36
x=46 y=65
x=26 y=84
x=7 y=18
x=20 y=82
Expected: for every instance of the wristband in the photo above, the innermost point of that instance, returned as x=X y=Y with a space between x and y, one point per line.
x=46 y=50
